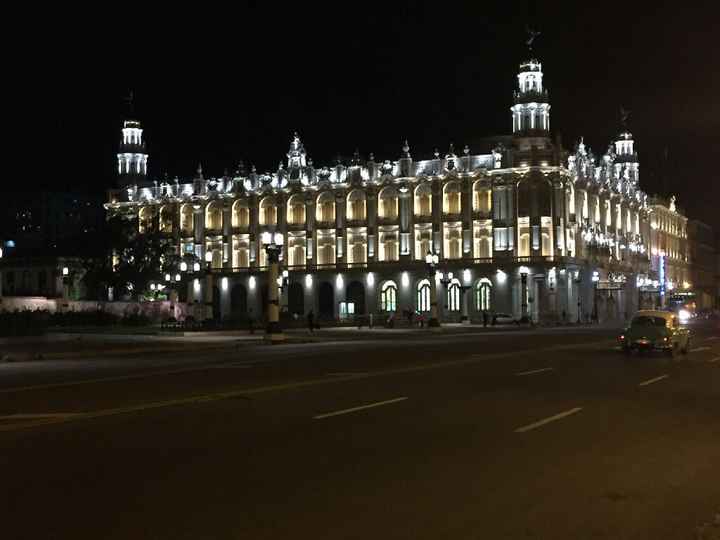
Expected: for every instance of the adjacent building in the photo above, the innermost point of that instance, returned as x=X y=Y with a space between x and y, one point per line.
x=703 y=263
x=521 y=226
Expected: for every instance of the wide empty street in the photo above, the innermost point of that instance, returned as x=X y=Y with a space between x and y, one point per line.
x=545 y=433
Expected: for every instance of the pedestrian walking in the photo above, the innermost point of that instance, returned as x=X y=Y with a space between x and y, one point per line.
x=311 y=321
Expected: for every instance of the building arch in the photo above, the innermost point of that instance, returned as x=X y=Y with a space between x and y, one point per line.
x=355 y=293
x=146 y=216
x=357 y=205
x=483 y=294
x=423 y=295
x=187 y=219
x=296 y=299
x=214 y=216
x=482 y=197
x=325 y=207
x=388 y=296
x=423 y=200
x=166 y=219
x=296 y=210
x=451 y=197
x=326 y=301
x=388 y=203
x=454 y=292
x=268 y=211
x=240 y=214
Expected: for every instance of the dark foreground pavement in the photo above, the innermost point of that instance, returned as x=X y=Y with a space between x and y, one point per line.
x=530 y=435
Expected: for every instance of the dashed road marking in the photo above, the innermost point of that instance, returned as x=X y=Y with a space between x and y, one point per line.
x=698 y=349
x=651 y=381
x=360 y=408
x=547 y=420
x=532 y=372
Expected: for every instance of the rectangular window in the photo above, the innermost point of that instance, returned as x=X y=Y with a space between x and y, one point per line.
x=501 y=238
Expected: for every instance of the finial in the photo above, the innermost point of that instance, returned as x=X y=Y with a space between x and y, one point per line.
x=199 y=169
x=466 y=150
x=406 y=149
x=451 y=150
x=371 y=157
x=280 y=165
x=309 y=162
x=253 y=169
x=532 y=34
x=130 y=100
x=436 y=153
x=624 y=115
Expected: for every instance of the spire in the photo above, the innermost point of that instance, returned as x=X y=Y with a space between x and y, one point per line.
x=131 y=158
x=406 y=149
x=532 y=35
x=531 y=109
x=198 y=171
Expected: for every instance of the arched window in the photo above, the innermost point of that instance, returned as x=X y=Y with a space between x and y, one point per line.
x=186 y=219
x=268 y=211
x=451 y=198
x=423 y=295
x=213 y=216
x=388 y=297
x=356 y=205
x=325 y=211
x=453 y=295
x=423 y=200
x=145 y=219
x=240 y=214
x=482 y=295
x=296 y=210
x=482 y=198
x=388 y=203
x=166 y=221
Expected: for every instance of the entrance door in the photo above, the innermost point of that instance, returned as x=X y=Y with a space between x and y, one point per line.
x=356 y=294
x=326 y=301
x=296 y=299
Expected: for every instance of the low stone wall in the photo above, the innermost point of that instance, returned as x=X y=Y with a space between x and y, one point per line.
x=156 y=311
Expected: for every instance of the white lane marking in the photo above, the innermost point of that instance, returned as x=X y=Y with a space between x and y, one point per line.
x=714 y=360
x=20 y=416
x=656 y=379
x=547 y=420
x=360 y=408
x=520 y=374
x=698 y=349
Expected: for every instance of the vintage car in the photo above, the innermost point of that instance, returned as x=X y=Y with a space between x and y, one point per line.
x=654 y=330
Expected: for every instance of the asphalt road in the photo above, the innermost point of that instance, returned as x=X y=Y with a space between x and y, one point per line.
x=539 y=434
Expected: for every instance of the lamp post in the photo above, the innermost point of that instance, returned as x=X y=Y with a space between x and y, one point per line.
x=431 y=261
x=523 y=295
x=272 y=243
x=208 y=285
x=595 y=278
x=578 y=281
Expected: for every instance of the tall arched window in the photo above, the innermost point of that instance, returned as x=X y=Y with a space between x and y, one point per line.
x=423 y=295
x=145 y=219
x=388 y=203
x=482 y=295
x=213 y=216
x=482 y=198
x=356 y=205
x=453 y=295
x=240 y=214
x=325 y=207
x=296 y=210
x=166 y=221
x=186 y=219
x=268 y=211
x=451 y=198
x=423 y=200
x=388 y=297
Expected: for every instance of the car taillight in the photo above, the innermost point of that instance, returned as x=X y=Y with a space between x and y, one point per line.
x=622 y=338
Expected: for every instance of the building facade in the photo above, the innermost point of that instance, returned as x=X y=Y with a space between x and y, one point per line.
x=526 y=228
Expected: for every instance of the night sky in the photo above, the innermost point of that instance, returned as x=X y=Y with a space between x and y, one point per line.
x=217 y=86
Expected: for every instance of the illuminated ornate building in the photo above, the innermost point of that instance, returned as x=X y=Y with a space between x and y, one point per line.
x=525 y=228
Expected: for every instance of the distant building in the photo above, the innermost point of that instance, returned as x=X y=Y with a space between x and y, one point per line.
x=525 y=228
x=703 y=263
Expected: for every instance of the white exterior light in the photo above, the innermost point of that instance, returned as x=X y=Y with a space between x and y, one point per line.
x=501 y=276
x=405 y=279
x=178 y=277
x=308 y=280
x=339 y=281
x=466 y=275
x=196 y=267
x=183 y=266
x=196 y=285
x=285 y=274
x=65 y=271
x=370 y=279
x=278 y=239
x=596 y=276
x=208 y=256
x=266 y=238
x=251 y=283
x=524 y=270
x=224 y=284
x=167 y=277
x=152 y=287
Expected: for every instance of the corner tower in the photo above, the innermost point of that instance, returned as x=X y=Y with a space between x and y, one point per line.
x=531 y=108
x=132 y=157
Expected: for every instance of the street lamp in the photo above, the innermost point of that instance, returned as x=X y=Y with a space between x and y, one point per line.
x=208 y=285
x=524 y=271
x=431 y=261
x=272 y=243
x=595 y=278
x=578 y=281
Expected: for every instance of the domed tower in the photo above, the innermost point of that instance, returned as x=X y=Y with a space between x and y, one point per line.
x=531 y=109
x=132 y=157
x=626 y=162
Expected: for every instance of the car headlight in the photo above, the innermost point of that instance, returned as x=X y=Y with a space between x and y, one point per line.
x=684 y=315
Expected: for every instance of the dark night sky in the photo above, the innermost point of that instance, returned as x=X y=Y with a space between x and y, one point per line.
x=218 y=86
